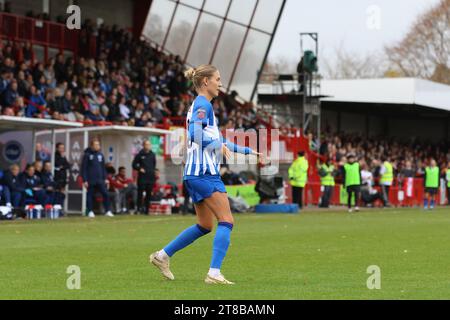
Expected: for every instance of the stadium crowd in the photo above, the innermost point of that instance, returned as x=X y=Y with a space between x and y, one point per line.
x=126 y=82
x=129 y=82
x=371 y=151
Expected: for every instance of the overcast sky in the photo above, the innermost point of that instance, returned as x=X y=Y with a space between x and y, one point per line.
x=360 y=25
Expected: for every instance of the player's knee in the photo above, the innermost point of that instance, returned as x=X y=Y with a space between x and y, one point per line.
x=228 y=219
x=206 y=227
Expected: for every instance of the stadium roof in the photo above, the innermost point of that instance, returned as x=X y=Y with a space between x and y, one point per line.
x=405 y=91
x=19 y=123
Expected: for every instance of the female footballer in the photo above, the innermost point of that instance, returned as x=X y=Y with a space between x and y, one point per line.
x=205 y=147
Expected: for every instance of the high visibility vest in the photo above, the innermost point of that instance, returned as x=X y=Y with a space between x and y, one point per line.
x=388 y=175
x=298 y=172
x=327 y=180
x=352 y=174
x=432 y=177
x=448 y=178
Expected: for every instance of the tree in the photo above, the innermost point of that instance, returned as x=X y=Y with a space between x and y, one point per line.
x=425 y=50
x=350 y=65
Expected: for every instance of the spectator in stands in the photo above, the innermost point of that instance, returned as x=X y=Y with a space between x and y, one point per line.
x=93 y=172
x=60 y=68
x=124 y=109
x=28 y=53
x=127 y=189
x=4 y=81
x=113 y=109
x=35 y=104
x=144 y=120
x=22 y=84
x=10 y=95
x=156 y=112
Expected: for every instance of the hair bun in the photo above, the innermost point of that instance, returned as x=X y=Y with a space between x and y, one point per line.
x=190 y=74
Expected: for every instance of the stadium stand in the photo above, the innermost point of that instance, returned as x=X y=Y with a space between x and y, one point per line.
x=118 y=79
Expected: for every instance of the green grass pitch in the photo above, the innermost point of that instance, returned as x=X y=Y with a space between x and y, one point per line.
x=315 y=255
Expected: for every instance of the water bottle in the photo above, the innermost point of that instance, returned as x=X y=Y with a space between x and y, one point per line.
x=30 y=211
x=57 y=211
x=38 y=211
x=49 y=211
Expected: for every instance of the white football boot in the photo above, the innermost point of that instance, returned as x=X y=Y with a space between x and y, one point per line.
x=162 y=264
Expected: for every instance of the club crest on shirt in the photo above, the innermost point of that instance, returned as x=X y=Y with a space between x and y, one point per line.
x=201 y=114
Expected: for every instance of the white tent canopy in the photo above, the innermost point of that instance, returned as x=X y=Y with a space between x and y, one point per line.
x=406 y=91
x=8 y=123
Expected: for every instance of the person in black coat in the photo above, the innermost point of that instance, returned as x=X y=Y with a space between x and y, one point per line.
x=93 y=172
x=50 y=186
x=145 y=164
x=62 y=166
x=12 y=179
x=5 y=194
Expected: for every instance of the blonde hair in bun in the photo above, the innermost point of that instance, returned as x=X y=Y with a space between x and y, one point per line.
x=197 y=75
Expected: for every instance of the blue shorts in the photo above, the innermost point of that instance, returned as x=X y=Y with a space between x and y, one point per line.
x=200 y=188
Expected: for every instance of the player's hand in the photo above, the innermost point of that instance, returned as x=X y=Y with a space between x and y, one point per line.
x=226 y=152
x=142 y=171
x=262 y=160
x=86 y=185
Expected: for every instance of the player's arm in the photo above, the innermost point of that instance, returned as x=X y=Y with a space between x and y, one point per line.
x=236 y=148
x=202 y=116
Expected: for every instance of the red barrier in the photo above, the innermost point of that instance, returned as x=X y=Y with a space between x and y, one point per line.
x=312 y=194
x=38 y=32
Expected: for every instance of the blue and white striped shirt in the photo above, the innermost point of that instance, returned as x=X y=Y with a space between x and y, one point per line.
x=204 y=141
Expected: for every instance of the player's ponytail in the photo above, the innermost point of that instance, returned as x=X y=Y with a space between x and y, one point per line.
x=189 y=74
x=197 y=75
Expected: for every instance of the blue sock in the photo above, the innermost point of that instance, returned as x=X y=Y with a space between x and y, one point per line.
x=425 y=203
x=185 y=238
x=432 y=204
x=220 y=244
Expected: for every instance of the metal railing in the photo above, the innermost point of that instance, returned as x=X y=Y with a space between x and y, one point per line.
x=48 y=34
